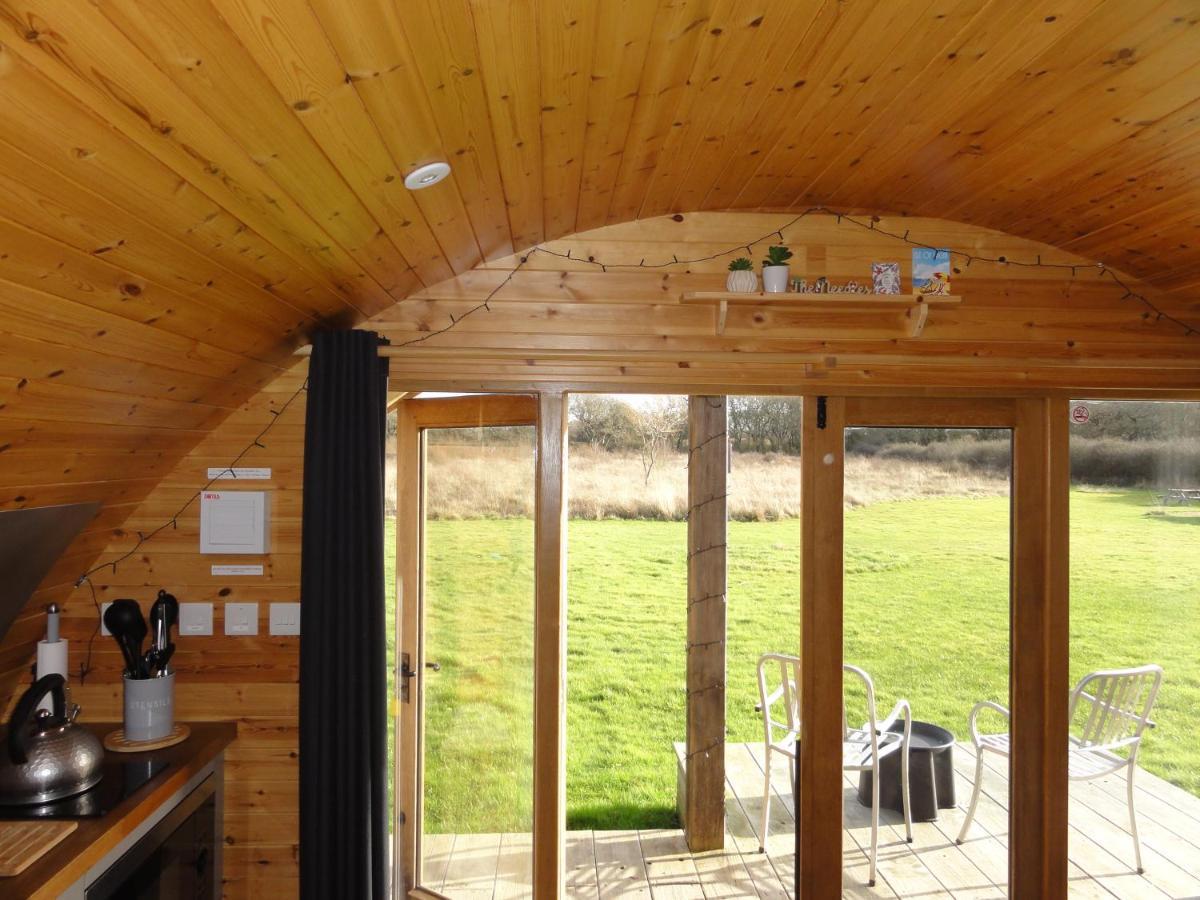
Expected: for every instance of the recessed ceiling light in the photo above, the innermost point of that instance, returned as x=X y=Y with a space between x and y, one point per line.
x=426 y=175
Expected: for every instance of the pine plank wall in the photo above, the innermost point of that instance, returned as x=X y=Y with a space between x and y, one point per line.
x=561 y=323
x=250 y=680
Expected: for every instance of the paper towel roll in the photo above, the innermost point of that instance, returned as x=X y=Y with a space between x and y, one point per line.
x=51 y=658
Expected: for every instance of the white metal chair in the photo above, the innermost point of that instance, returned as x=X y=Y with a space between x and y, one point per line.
x=781 y=731
x=1109 y=710
x=862 y=748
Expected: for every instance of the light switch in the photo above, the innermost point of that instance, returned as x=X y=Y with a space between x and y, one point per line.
x=103 y=629
x=285 y=618
x=241 y=618
x=195 y=618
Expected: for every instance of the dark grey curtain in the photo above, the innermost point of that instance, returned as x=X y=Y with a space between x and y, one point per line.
x=343 y=739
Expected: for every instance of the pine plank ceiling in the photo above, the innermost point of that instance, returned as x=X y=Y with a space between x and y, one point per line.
x=188 y=187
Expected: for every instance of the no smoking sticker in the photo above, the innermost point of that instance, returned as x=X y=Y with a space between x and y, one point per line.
x=1080 y=414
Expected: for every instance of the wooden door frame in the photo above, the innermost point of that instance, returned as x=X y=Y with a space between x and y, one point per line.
x=1038 y=675
x=1038 y=640
x=415 y=417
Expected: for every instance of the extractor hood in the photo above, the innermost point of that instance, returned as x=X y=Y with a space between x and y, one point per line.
x=31 y=540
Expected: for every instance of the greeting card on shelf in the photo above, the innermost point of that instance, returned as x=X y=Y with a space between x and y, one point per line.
x=930 y=271
x=885 y=278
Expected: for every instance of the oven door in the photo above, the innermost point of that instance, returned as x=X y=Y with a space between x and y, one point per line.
x=173 y=859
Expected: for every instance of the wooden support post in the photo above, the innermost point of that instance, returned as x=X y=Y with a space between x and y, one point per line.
x=819 y=818
x=704 y=811
x=1039 y=651
x=550 y=652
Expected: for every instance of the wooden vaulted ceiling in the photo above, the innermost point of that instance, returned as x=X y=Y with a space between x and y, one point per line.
x=189 y=187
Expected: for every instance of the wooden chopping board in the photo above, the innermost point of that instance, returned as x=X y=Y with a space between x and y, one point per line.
x=23 y=843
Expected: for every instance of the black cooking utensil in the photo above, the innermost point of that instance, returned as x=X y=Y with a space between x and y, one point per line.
x=171 y=607
x=163 y=614
x=137 y=636
x=150 y=661
x=157 y=621
x=163 y=659
x=124 y=619
x=116 y=619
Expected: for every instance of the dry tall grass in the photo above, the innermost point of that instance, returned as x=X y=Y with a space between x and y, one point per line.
x=496 y=481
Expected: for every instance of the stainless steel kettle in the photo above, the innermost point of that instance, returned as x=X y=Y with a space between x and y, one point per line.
x=48 y=756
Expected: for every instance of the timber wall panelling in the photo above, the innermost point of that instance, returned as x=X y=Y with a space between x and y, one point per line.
x=253 y=680
x=189 y=188
x=113 y=368
x=565 y=321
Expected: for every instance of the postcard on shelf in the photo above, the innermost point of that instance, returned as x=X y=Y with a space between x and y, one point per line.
x=885 y=278
x=930 y=271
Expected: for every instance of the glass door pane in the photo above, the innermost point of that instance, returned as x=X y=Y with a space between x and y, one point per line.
x=626 y=619
x=1135 y=609
x=926 y=623
x=763 y=617
x=478 y=610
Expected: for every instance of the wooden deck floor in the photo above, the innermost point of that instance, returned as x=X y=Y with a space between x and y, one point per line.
x=655 y=865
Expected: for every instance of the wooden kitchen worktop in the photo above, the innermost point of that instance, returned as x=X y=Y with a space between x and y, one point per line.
x=66 y=863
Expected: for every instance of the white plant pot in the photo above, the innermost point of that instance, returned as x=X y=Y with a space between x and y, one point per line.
x=743 y=281
x=775 y=279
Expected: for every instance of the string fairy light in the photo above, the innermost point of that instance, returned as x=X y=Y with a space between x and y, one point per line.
x=85 y=667
x=483 y=305
x=1150 y=310
x=871 y=224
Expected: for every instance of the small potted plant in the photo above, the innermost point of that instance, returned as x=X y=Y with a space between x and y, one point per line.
x=775 y=270
x=741 y=276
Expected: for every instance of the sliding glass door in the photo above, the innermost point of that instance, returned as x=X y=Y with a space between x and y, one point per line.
x=932 y=621
x=1135 y=627
x=927 y=557
x=465 y=549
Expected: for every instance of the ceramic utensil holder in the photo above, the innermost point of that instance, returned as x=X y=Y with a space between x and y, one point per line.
x=149 y=707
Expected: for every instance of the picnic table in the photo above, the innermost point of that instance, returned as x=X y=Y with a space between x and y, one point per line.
x=1180 y=495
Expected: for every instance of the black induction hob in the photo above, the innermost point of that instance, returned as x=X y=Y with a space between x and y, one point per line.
x=121 y=777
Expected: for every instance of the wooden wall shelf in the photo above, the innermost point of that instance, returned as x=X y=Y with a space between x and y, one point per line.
x=915 y=308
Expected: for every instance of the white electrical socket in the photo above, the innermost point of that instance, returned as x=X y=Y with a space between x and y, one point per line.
x=103 y=629
x=241 y=618
x=285 y=618
x=195 y=618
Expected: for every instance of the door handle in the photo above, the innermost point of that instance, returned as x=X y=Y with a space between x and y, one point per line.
x=406 y=675
x=407 y=671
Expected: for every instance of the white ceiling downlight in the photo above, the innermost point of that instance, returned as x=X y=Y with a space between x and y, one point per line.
x=426 y=176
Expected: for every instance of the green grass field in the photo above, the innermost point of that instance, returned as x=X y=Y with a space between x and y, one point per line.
x=926 y=615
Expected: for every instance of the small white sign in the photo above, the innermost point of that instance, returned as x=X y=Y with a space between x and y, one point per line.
x=235 y=521
x=1080 y=414
x=237 y=570
x=240 y=473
